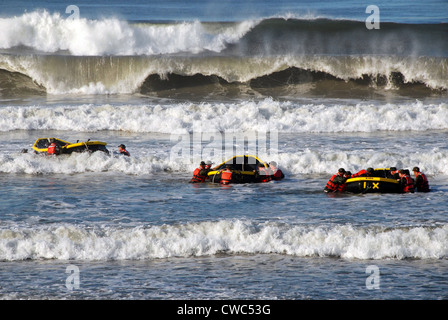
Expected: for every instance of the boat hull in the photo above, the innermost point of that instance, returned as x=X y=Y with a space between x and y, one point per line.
x=65 y=147
x=244 y=168
x=372 y=185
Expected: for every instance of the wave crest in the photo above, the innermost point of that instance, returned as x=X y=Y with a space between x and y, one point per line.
x=58 y=74
x=51 y=33
x=230 y=237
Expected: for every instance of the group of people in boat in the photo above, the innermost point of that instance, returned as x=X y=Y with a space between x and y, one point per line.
x=337 y=182
x=262 y=174
x=54 y=149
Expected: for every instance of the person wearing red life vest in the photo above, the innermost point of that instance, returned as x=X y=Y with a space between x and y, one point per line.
x=123 y=151
x=53 y=148
x=226 y=175
x=263 y=174
x=364 y=173
x=277 y=174
x=393 y=173
x=421 y=182
x=336 y=182
x=199 y=174
x=406 y=182
x=347 y=174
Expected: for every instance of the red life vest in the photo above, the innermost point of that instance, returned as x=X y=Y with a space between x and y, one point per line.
x=264 y=174
x=424 y=185
x=409 y=185
x=334 y=186
x=52 y=148
x=278 y=174
x=342 y=187
x=331 y=186
x=362 y=173
x=197 y=178
x=226 y=177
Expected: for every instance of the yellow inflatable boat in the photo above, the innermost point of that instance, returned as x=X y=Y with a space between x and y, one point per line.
x=244 y=168
x=382 y=182
x=65 y=147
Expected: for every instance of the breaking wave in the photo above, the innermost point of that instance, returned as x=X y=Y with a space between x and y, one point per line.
x=70 y=242
x=50 y=33
x=264 y=115
x=49 y=54
x=151 y=75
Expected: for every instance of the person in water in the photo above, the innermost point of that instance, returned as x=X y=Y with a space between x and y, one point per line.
x=365 y=173
x=208 y=168
x=336 y=182
x=263 y=174
x=53 y=148
x=226 y=175
x=406 y=182
x=277 y=173
x=123 y=151
x=208 y=165
x=421 y=182
x=200 y=173
x=393 y=173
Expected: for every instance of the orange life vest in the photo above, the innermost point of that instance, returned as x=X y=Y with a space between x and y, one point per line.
x=226 y=177
x=333 y=186
x=424 y=185
x=409 y=185
x=362 y=173
x=52 y=148
x=342 y=187
x=197 y=178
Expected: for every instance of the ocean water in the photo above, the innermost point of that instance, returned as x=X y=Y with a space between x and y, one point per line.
x=308 y=84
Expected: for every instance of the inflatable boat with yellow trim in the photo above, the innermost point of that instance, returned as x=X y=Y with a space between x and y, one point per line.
x=382 y=182
x=244 y=168
x=65 y=147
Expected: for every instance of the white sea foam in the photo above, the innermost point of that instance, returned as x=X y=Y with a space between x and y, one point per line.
x=264 y=115
x=294 y=160
x=231 y=237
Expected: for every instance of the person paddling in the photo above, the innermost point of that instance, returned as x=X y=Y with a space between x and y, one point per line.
x=123 y=151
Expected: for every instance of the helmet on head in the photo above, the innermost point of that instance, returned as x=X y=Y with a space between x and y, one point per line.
x=416 y=169
x=370 y=170
x=341 y=170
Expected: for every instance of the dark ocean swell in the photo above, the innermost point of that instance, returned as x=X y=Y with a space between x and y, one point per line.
x=343 y=37
x=322 y=74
